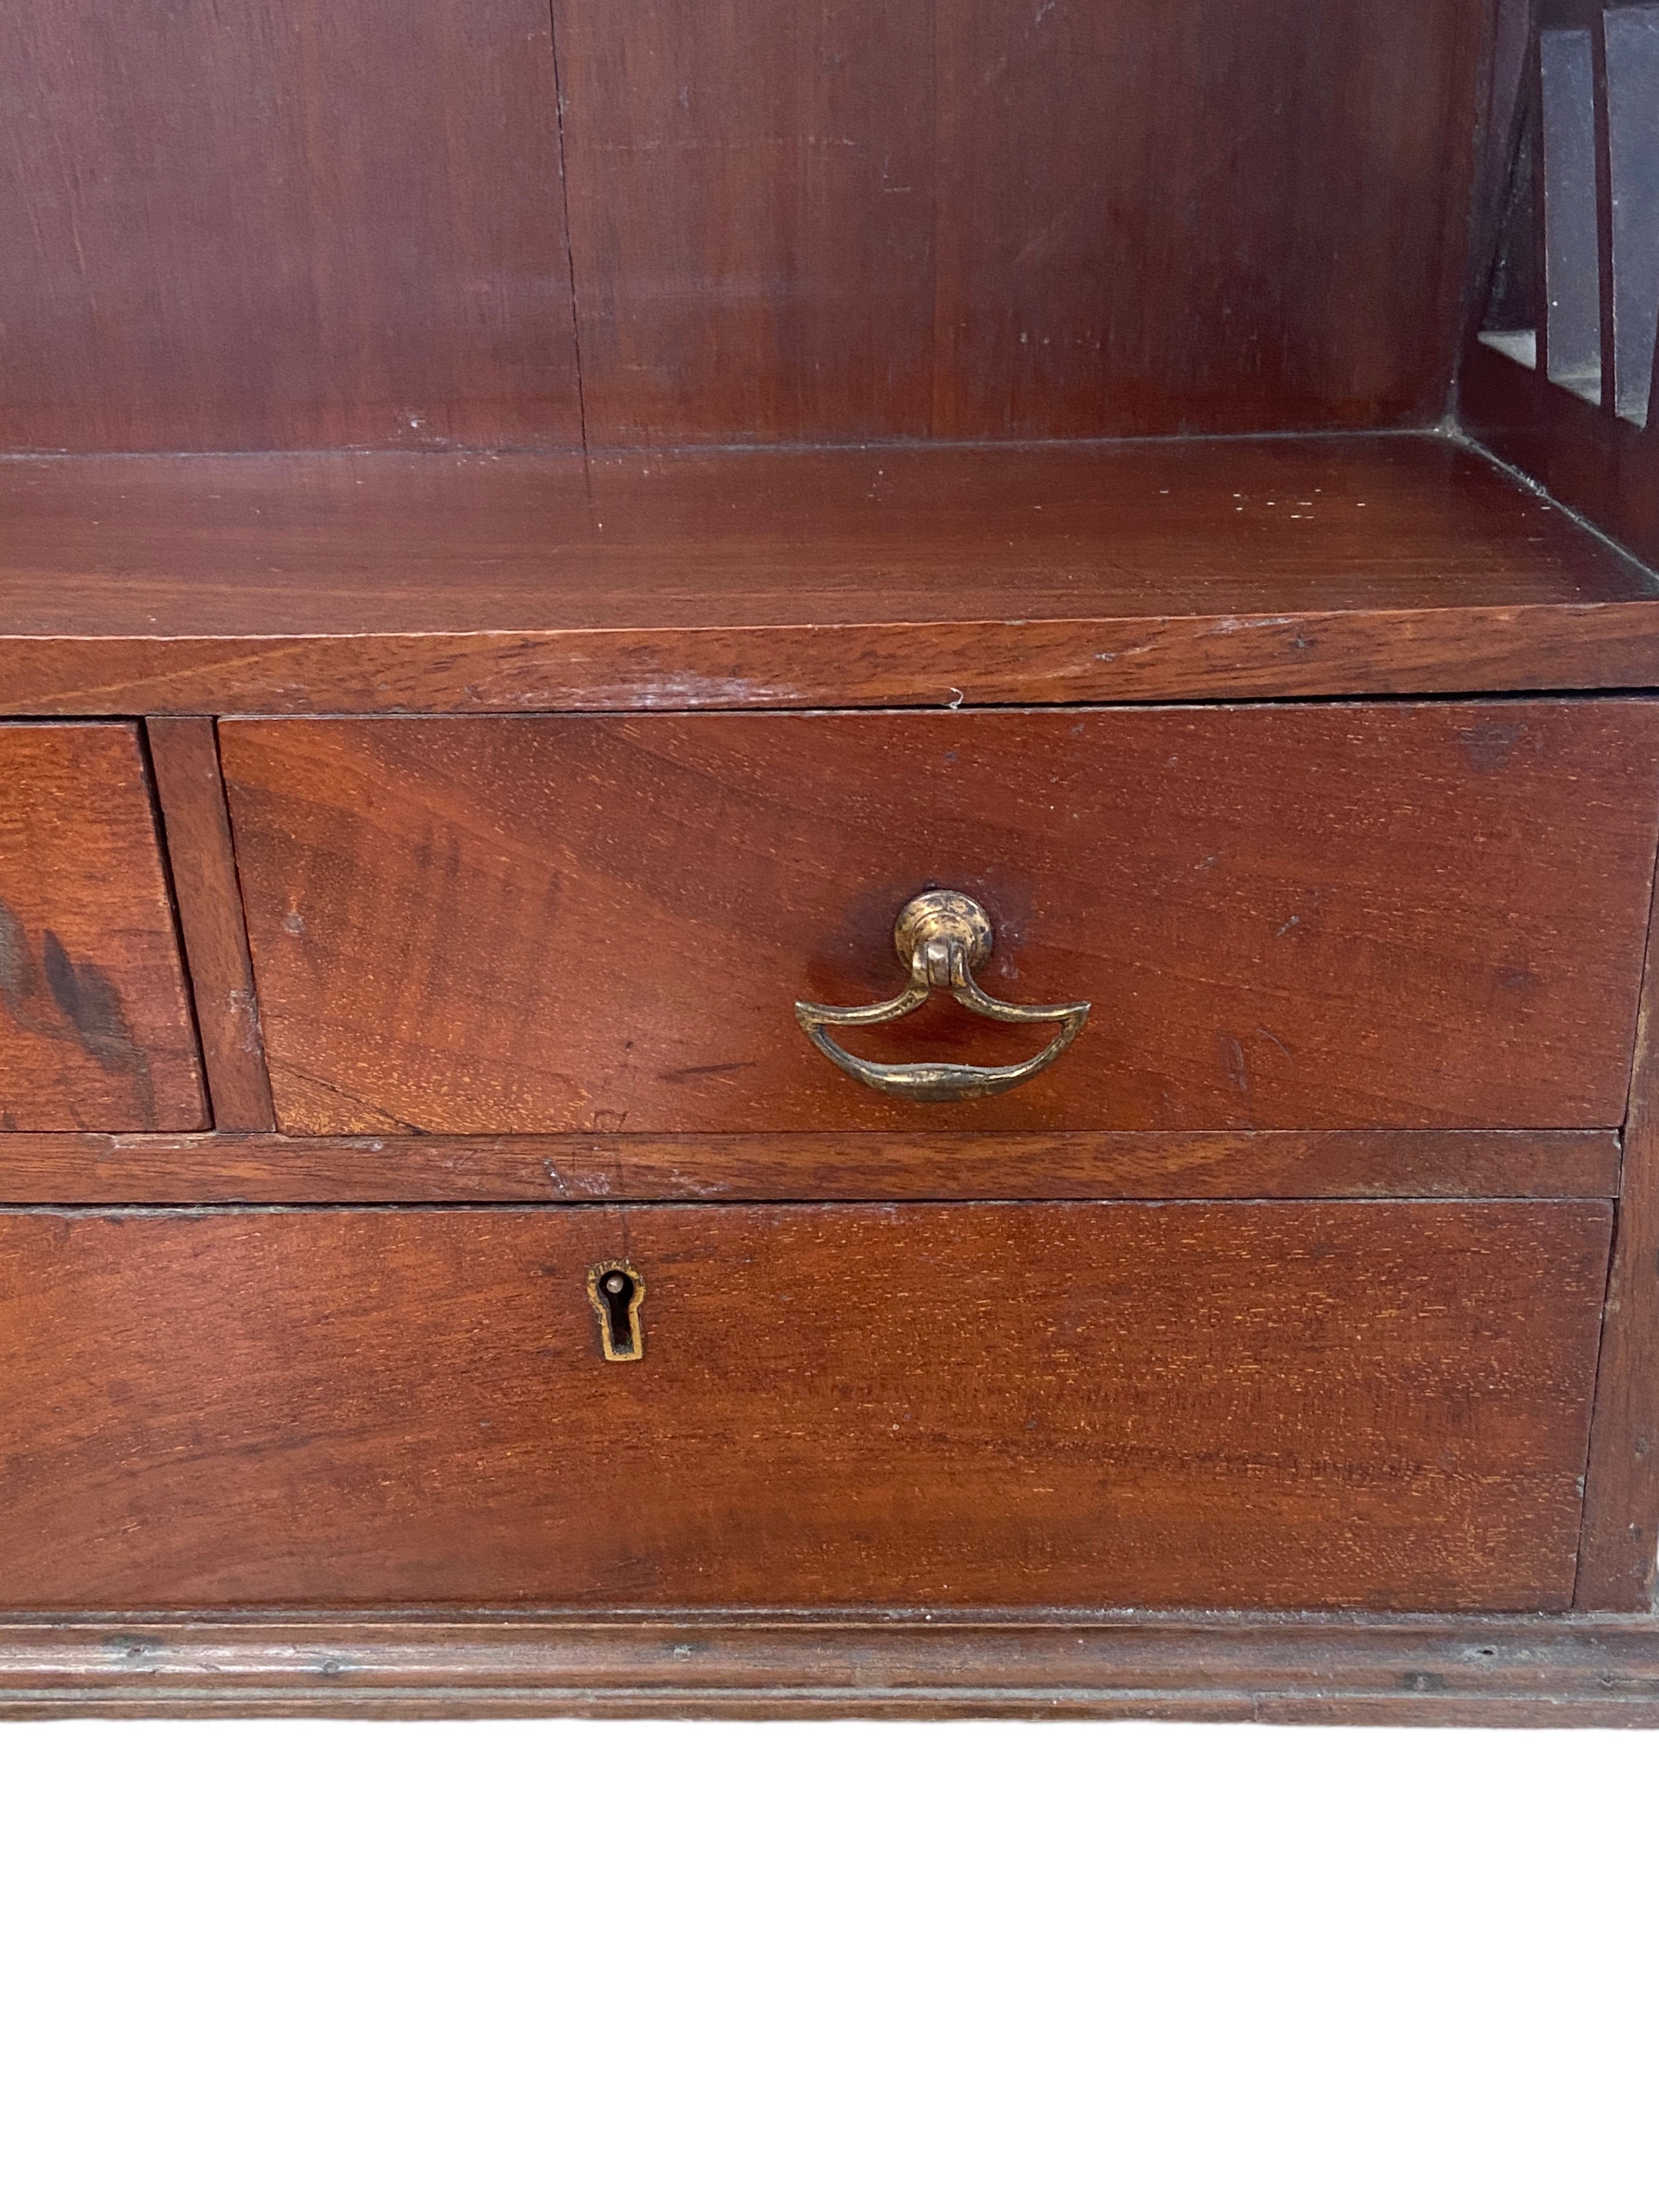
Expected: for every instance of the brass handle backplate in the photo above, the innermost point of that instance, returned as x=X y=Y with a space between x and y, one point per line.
x=942 y=938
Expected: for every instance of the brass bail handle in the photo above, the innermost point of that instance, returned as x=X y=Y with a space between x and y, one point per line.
x=942 y=939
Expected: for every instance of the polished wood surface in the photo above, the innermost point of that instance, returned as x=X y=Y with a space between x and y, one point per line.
x=1190 y=1404
x=253 y=545
x=348 y=583
x=1494 y=1670
x=185 y=757
x=218 y=1169
x=1300 y=917
x=95 y=1029
x=846 y=218
x=283 y=223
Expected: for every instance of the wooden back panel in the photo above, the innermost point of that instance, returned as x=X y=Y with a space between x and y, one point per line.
x=281 y=223
x=802 y=219
x=291 y=223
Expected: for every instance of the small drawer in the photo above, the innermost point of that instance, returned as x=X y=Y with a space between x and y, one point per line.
x=95 y=1026
x=1300 y=1404
x=1375 y=916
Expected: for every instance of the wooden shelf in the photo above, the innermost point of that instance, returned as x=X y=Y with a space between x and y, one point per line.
x=1163 y=569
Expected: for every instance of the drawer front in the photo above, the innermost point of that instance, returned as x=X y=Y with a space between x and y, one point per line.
x=1373 y=917
x=96 y=1027
x=1299 y=1404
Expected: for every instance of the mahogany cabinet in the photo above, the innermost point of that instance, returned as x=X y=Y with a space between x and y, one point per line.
x=827 y=841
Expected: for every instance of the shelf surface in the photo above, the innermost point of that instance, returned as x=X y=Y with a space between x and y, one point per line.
x=902 y=574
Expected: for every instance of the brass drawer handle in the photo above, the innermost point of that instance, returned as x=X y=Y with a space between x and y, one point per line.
x=942 y=938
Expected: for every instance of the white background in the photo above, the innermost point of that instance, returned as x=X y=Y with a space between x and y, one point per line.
x=252 y=1964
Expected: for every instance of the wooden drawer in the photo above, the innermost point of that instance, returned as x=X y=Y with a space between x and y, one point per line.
x=96 y=1027
x=1299 y=1404
x=1305 y=917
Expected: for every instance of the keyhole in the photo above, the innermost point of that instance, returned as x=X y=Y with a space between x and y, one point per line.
x=617 y=1291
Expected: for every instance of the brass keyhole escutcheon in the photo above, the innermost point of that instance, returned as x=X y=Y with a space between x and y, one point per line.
x=616 y=1292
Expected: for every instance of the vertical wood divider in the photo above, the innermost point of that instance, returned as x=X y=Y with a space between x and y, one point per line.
x=1620 y=1532
x=190 y=791
x=1603 y=132
x=1539 y=210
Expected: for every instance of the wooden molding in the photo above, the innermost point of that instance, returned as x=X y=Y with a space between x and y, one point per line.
x=222 y=1168
x=1535 y=1671
x=901 y=663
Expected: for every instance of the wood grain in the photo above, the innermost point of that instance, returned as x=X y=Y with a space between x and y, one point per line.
x=95 y=1029
x=218 y=1169
x=1559 y=649
x=283 y=223
x=1287 y=918
x=410 y=582
x=184 y=755
x=1492 y=1671
x=298 y=226
x=838 y=219
x=1343 y=1405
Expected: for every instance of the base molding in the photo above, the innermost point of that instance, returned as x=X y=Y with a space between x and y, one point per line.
x=1555 y=1671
